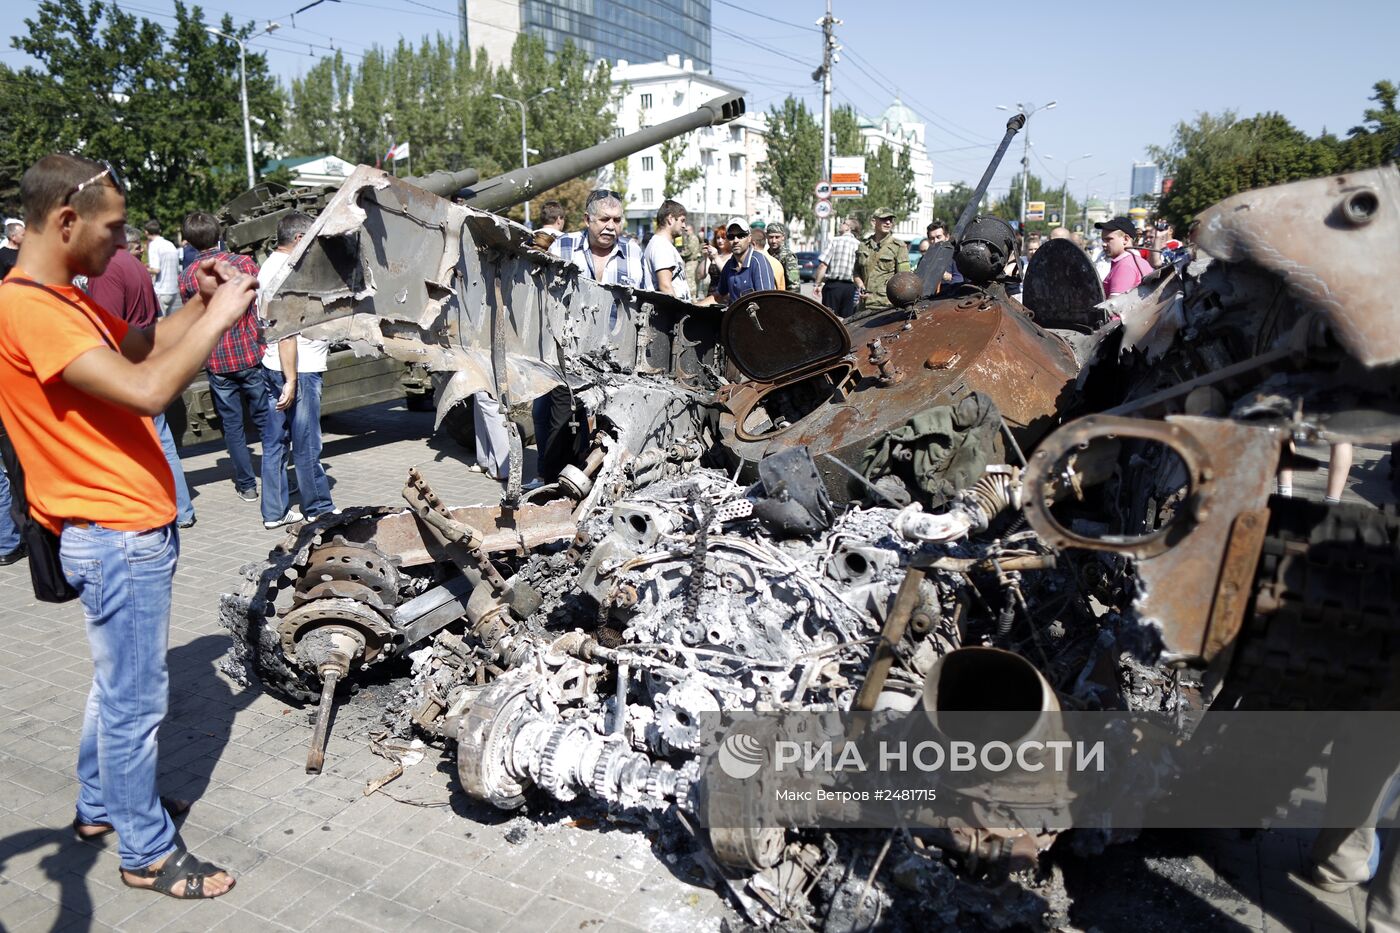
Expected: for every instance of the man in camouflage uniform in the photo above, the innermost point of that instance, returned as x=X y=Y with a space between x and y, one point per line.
x=690 y=251
x=777 y=248
x=881 y=255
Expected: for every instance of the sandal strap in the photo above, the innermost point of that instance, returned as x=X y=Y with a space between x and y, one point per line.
x=181 y=866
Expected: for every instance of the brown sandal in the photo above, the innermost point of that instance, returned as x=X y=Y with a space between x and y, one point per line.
x=179 y=866
x=176 y=809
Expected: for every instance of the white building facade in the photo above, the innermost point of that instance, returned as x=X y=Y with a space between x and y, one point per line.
x=901 y=129
x=727 y=156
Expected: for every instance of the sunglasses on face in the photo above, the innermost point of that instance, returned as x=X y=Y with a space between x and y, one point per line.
x=107 y=171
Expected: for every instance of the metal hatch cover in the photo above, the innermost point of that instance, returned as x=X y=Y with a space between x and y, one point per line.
x=771 y=336
x=1062 y=288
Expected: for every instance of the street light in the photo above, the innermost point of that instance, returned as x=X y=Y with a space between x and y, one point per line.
x=243 y=86
x=1028 y=109
x=1086 y=199
x=524 y=149
x=1064 y=188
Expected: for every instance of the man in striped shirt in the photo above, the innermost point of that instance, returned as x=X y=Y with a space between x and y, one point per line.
x=601 y=251
x=235 y=366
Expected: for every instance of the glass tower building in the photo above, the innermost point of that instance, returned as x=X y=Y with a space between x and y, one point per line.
x=635 y=30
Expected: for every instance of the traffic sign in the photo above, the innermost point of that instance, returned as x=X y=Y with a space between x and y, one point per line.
x=823 y=190
x=823 y=210
x=1035 y=210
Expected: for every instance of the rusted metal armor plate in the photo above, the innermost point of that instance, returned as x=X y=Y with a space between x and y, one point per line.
x=1322 y=237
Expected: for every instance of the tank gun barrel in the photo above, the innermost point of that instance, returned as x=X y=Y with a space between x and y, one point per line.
x=521 y=185
x=938 y=259
x=446 y=184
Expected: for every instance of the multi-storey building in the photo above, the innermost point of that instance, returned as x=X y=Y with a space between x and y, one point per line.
x=636 y=30
x=724 y=159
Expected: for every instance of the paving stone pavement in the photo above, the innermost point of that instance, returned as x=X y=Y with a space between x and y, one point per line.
x=314 y=852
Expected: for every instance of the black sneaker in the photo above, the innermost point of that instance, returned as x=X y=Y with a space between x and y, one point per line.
x=249 y=495
x=13 y=557
x=189 y=524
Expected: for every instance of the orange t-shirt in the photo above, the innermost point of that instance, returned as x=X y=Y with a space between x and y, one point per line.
x=84 y=458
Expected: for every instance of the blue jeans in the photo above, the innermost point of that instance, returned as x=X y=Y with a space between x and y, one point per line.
x=184 y=508
x=230 y=391
x=9 y=534
x=312 y=486
x=124 y=580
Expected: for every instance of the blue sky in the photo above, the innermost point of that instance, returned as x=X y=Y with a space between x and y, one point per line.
x=1122 y=74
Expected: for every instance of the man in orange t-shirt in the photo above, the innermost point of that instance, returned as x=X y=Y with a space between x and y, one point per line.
x=78 y=389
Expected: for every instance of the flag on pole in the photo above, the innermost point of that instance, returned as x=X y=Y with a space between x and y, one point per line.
x=397 y=153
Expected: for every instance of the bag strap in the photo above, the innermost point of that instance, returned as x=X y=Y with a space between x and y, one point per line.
x=101 y=331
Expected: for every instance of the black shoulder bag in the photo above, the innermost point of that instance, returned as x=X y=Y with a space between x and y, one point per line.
x=45 y=567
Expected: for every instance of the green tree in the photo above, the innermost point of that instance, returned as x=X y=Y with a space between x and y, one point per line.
x=1216 y=157
x=677 y=179
x=1009 y=207
x=163 y=108
x=845 y=132
x=316 y=102
x=1378 y=138
x=889 y=183
x=794 y=159
x=948 y=207
x=437 y=97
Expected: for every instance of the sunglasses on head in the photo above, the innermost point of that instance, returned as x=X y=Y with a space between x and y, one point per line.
x=107 y=171
x=601 y=195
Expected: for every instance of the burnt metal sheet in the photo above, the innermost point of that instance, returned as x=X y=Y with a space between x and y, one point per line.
x=1195 y=570
x=503 y=530
x=390 y=268
x=1062 y=288
x=947 y=350
x=1322 y=238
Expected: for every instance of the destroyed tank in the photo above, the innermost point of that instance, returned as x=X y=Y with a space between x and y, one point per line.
x=574 y=639
x=353 y=380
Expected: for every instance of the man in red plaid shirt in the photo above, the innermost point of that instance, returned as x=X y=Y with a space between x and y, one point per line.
x=235 y=370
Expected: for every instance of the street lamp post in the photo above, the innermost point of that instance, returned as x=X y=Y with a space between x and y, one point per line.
x=1064 y=188
x=1086 y=199
x=243 y=87
x=1028 y=109
x=524 y=149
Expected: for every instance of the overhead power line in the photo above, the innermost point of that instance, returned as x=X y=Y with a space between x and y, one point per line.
x=749 y=11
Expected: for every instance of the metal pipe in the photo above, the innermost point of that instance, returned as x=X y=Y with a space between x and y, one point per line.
x=882 y=655
x=316 y=758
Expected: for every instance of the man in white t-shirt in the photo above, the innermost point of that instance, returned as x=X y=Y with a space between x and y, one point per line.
x=663 y=260
x=163 y=258
x=292 y=370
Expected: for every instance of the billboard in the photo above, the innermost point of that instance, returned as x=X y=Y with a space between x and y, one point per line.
x=847 y=176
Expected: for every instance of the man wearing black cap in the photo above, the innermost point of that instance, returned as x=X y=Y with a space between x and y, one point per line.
x=881 y=256
x=745 y=271
x=1127 y=266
